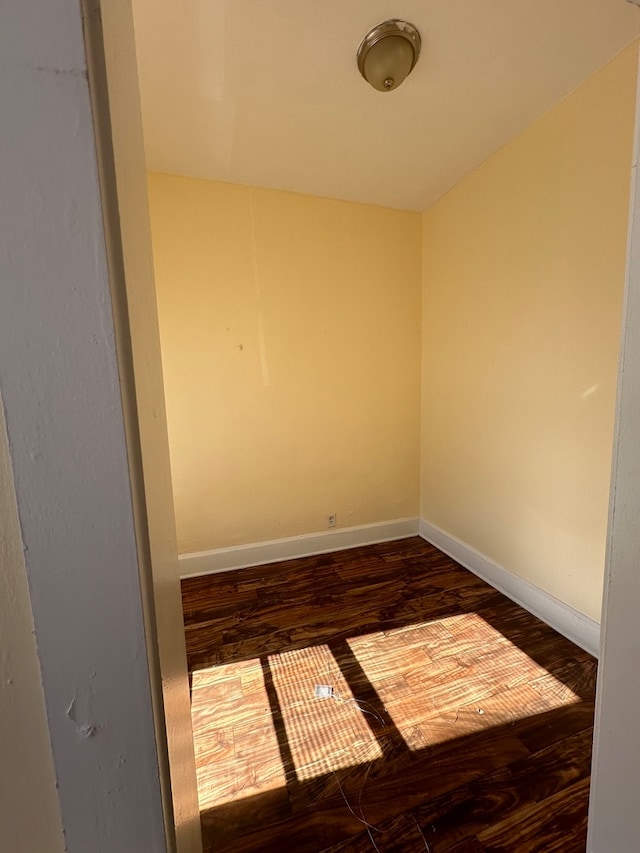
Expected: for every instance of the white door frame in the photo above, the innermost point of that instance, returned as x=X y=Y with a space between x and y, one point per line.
x=615 y=780
x=59 y=377
x=86 y=431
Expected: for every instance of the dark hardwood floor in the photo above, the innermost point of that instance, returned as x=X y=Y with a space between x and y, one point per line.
x=456 y=721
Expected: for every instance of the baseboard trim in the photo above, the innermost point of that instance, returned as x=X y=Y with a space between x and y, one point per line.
x=307 y=545
x=577 y=627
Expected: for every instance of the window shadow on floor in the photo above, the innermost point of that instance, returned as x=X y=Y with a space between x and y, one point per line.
x=452 y=775
x=444 y=793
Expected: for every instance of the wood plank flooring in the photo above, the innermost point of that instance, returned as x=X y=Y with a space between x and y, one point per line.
x=456 y=721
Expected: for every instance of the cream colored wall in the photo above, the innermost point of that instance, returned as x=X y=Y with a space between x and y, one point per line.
x=28 y=780
x=523 y=274
x=290 y=331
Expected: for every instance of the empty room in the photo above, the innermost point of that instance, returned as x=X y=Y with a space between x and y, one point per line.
x=389 y=245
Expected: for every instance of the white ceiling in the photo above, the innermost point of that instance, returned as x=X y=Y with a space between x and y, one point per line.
x=267 y=92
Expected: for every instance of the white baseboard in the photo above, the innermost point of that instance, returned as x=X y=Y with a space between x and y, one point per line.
x=577 y=627
x=259 y=553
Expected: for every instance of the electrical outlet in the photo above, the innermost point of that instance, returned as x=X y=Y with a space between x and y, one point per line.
x=332 y=519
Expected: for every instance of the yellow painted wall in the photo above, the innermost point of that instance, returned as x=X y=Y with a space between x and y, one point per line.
x=523 y=275
x=290 y=332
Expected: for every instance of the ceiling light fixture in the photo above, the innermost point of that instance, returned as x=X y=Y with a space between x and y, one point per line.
x=388 y=53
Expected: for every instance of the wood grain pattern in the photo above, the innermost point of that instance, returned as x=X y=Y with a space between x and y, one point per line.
x=458 y=722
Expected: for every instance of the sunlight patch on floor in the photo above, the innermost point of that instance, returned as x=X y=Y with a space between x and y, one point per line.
x=235 y=728
x=258 y=725
x=323 y=734
x=234 y=735
x=438 y=680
